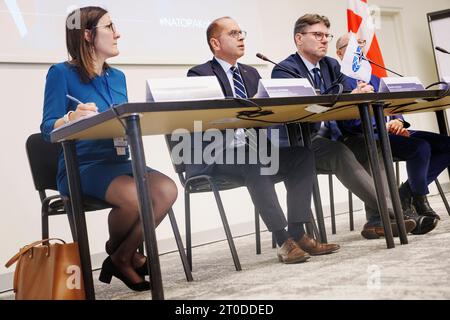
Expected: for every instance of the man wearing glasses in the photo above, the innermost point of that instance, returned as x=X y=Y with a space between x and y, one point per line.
x=311 y=36
x=240 y=81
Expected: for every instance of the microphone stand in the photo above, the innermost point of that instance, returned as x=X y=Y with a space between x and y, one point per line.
x=380 y=66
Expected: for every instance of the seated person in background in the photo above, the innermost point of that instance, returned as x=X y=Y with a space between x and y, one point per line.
x=311 y=36
x=105 y=168
x=427 y=154
x=226 y=41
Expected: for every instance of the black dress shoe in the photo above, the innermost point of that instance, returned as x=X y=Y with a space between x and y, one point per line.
x=423 y=207
x=109 y=270
x=142 y=270
x=405 y=194
x=424 y=225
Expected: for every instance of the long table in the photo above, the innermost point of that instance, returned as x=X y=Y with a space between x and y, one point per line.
x=134 y=120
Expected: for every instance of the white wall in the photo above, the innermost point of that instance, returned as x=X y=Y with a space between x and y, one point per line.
x=21 y=92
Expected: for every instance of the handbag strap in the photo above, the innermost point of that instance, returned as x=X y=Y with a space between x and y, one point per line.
x=28 y=248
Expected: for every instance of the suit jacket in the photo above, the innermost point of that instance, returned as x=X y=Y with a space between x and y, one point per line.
x=249 y=75
x=353 y=127
x=330 y=70
x=212 y=68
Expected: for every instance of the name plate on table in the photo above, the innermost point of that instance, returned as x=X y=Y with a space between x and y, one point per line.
x=445 y=79
x=183 y=89
x=281 y=88
x=399 y=84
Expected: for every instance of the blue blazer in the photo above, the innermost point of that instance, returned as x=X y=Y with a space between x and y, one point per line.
x=212 y=68
x=353 y=127
x=329 y=68
x=250 y=76
x=331 y=75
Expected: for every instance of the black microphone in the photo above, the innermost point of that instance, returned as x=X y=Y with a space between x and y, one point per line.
x=292 y=73
x=380 y=66
x=442 y=50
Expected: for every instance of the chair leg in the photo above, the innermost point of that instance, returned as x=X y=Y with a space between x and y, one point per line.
x=332 y=210
x=226 y=228
x=312 y=228
x=257 y=232
x=44 y=222
x=176 y=233
x=350 y=211
x=397 y=173
x=274 y=241
x=187 y=212
x=68 y=208
x=441 y=192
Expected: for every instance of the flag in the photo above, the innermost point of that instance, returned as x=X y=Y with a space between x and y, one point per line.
x=353 y=64
x=361 y=23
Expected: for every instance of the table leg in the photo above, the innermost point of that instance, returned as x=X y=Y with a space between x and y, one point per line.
x=388 y=164
x=76 y=200
x=134 y=137
x=316 y=192
x=376 y=173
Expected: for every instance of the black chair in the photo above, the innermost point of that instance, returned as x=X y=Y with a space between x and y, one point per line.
x=43 y=160
x=206 y=183
x=332 y=207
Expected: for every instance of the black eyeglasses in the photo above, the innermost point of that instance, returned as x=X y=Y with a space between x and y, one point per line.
x=111 y=26
x=320 y=35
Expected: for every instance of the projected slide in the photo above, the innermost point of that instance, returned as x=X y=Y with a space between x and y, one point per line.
x=153 y=31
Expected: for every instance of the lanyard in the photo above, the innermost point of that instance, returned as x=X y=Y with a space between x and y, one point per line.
x=108 y=98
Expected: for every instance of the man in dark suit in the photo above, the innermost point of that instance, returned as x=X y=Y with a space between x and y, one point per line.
x=311 y=36
x=427 y=154
x=226 y=41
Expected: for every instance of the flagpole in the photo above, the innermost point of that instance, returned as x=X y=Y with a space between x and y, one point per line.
x=382 y=67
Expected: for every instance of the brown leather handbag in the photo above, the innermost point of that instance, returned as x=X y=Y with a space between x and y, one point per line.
x=47 y=271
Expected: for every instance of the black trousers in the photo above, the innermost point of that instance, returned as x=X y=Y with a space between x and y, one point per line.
x=296 y=170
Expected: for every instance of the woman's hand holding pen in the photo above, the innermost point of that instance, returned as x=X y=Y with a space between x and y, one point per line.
x=84 y=110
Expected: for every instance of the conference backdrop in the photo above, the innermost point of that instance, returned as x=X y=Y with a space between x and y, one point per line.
x=153 y=31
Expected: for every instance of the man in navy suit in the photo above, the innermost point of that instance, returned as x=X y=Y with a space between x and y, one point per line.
x=226 y=41
x=427 y=154
x=311 y=36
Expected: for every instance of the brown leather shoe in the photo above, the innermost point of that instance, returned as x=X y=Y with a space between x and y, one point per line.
x=376 y=232
x=290 y=252
x=315 y=248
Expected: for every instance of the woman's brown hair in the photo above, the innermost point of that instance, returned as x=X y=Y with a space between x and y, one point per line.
x=80 y=50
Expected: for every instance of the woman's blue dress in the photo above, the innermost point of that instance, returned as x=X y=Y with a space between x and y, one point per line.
x=98 y=160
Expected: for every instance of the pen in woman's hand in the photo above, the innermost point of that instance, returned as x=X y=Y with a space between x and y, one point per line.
x=74 y=99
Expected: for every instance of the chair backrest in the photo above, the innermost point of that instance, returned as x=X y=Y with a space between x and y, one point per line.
x=179 y=168
x=43 y=159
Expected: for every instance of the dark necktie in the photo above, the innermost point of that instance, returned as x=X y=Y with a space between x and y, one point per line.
x=240 y=137
x=239 y=88
x=318 y=83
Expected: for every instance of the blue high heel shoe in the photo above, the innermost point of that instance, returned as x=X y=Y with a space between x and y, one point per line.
x=109 y=270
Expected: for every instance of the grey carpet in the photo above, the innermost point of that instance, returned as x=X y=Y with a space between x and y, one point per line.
x=362 y=269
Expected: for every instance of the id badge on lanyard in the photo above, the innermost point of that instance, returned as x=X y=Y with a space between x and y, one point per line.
x=121 y=144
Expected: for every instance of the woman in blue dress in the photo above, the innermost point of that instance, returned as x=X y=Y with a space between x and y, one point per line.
x=105 y=168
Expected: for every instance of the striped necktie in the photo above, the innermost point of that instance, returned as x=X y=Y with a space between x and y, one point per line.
x=239 y=92
x=239 y=88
